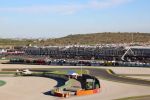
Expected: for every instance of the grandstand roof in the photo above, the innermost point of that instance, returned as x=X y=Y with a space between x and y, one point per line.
x=137 y=47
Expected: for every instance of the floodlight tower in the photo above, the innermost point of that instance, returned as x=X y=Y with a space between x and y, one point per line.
x=132 y=38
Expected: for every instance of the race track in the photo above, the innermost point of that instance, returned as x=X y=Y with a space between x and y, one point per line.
x=107 y=74
x=109 y=82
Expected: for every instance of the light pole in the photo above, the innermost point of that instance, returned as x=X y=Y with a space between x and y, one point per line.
x=80 y=65
x=81 y=68
x=132 y=38
x=94 y=83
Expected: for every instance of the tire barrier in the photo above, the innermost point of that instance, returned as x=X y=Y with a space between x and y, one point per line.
x=58 y=93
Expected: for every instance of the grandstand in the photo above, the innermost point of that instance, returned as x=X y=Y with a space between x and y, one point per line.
x=100 y=52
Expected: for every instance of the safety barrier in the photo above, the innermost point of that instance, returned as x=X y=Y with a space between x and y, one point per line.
x=87 y=92
x=57 y=92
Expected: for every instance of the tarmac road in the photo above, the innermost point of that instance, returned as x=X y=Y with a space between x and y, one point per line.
x=102 y=73
x=109 y=75
x=105 y=74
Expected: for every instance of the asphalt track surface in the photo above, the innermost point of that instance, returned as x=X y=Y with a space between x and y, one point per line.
x=108 y=75
x=102 y=74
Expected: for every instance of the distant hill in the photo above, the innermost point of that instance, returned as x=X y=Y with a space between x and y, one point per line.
x=97 y=38
x=90 y=39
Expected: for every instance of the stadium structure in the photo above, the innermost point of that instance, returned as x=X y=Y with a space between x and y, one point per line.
x=102 y=52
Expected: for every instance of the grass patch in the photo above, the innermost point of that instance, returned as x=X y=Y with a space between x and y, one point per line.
x=64 y=72
x=2 y=83
x=7 y=72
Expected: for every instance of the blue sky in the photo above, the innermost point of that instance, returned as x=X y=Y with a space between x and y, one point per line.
x=57 y=18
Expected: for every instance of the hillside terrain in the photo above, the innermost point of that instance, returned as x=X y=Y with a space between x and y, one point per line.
x=89 y=39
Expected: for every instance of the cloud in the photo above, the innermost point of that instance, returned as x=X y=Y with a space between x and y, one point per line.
x=43 y=9
x=65 y=8
x=106 y=3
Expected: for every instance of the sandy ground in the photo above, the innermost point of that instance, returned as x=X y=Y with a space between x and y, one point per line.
x=26 y=88
x=32 y=88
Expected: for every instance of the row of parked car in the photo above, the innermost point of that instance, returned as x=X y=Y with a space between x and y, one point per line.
x=63 y=62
